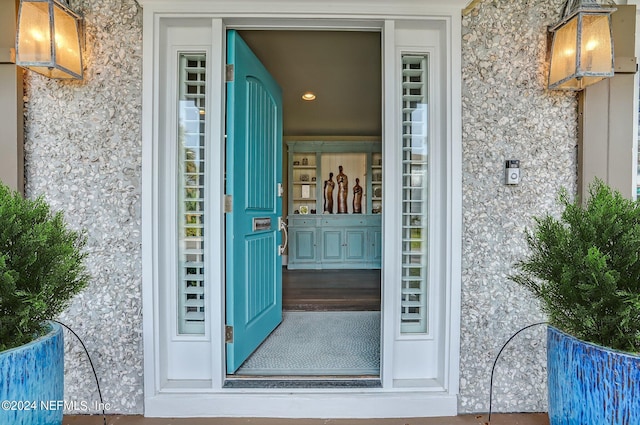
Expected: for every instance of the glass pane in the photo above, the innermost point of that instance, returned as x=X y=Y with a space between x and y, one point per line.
x=415 y=195
x=191 y=194
x=563 y=53
x=67 y=41
x=34 y=40
x=596 y=44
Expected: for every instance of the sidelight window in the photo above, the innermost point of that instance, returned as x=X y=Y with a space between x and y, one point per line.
x=415 y=193
x=191 y=193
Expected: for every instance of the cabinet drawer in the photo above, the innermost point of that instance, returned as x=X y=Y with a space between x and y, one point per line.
x=302 y=222
x=344 y=222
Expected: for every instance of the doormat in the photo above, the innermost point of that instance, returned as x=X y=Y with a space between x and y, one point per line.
x=320 y=343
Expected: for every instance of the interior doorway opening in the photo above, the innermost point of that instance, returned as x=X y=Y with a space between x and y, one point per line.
x=332 y=282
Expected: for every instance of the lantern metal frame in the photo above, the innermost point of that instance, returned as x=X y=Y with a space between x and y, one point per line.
x=52 y=63
x=580 y=9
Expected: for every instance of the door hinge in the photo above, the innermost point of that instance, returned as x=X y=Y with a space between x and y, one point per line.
x=229 y=73
x=228 y=334
x=228 y=203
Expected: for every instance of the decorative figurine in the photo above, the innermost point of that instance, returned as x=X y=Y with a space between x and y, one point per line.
x=357 y=197
x=343 y=187
x=328 y=194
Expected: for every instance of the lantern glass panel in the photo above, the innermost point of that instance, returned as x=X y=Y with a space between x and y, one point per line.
x=67 y=41
x=596 y=44
x=34 y=36
x=563 y=54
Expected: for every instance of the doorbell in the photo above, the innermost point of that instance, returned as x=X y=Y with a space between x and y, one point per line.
x=512 y=171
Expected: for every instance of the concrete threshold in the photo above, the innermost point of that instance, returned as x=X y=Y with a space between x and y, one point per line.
x=496 y=419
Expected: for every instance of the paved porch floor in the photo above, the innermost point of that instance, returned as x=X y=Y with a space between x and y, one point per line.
x=496 y=419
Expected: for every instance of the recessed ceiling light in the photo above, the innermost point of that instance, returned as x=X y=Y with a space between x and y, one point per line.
x=308 y=96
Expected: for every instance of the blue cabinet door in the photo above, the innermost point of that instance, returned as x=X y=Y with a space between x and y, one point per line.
x=356 y=249
x=303 y=245
x=332 y=245
x=375 y=239
x=254 y=170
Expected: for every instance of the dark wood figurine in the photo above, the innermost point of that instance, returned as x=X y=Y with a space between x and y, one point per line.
x=328 y=194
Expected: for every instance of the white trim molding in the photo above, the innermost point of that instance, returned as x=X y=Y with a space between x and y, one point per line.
x=335 y=9
x=411 y=386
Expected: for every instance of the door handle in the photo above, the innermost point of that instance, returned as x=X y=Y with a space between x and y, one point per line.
x=282 y=226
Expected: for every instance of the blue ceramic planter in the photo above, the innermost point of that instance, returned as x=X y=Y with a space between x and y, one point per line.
x=32 y=381
x=589 y=384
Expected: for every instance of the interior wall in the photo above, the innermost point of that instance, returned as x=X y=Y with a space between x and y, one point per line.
x=354 y=167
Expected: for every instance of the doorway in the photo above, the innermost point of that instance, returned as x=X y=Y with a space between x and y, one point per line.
x=184 y=369
x=343 y=72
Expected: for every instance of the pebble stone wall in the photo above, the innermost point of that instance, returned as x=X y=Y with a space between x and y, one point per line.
x=508 y=114
x=83 y=153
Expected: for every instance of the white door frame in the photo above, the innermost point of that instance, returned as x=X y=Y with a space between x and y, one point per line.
x=401 y=395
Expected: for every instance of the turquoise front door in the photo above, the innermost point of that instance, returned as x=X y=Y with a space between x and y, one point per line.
x=254 y=176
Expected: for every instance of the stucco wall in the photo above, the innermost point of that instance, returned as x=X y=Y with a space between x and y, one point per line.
x=83 y=149
x=83 y=153
x=508 y=114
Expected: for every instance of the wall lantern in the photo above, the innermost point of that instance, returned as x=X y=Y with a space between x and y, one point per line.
x=582 y=49
x=48 y=39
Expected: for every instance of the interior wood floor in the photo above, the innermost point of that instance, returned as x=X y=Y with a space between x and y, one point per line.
x=331 y=290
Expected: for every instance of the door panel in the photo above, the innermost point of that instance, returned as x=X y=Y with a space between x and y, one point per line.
x=261 y=112
x=254 y=170
x=356 y=245
x=305 y=244
x=332 y=245
x=260 y=296
x=376 y=254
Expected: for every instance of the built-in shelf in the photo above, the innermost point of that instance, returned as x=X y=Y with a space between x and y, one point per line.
x=332 y=240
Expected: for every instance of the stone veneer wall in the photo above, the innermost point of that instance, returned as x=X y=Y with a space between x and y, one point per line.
x=83 y=152
x=508 y=114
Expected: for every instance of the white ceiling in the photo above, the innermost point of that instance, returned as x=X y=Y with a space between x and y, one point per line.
x=343 y=69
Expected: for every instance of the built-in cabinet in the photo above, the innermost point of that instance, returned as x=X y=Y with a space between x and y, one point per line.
x=318 y=238
x=335 y=242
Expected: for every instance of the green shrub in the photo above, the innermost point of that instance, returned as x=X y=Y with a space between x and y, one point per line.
x=585 y=268
x=41 y=267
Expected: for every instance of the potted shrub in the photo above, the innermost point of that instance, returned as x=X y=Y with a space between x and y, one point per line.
x=41 y=269
x=585 y=269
